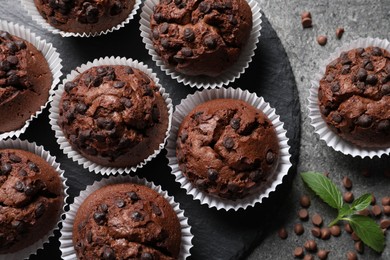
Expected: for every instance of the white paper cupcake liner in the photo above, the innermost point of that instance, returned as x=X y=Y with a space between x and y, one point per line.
x=211 y=201
x=63 y=142
x=40 y=151
x=228 y=76
x=321 y=128
x=52 y=57
x=37 y=17
x=66 y=239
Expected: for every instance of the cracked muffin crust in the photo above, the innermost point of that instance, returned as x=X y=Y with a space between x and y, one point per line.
x=126 y=221
x=200 y=37
x=113 y=115
x=25 y=81
x=84 y=16
x=227 y=148
x=354 y=96
x=31 y=199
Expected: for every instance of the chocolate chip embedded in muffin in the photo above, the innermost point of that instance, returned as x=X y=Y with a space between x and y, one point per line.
x=31 y=197
x=25 y=81
x=358 y=110
x=84 y=16
x=113 y=115
x=227 y=148
x=200 y=37
x=142 y=226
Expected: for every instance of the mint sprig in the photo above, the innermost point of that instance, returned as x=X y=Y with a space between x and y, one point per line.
x=365 y=228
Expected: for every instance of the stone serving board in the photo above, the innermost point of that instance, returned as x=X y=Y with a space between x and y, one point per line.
x=217 y=234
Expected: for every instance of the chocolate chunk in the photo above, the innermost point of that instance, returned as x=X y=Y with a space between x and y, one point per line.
x=204 y=7
x=147 y=256
x=137 y=216
x=364 y=120
x=376 y=51
x=228 y=142
x=120 y=203
x=187 y=52
x=39 y=210
x=14 y=158
x=5 y=168
x=372 y=80
x=156 y=210
x=105 y=123
x=133 y=196
x=13 y=60
x=5 y=35
x=344 y=58
x=316 y=232
x=235 y=123
x=108 y=253
x=325 y=233
x=189 y=35
x=116 y=8
x=212 y=174
x=351 y=255
x=119 y=84
x=99 y=217
x=322 y=254
x=322 y=40
x=360 y=51
x=210 y=42
x=29 y=191
x=19 y=186
x=303 y=214
x=361 y=74
x=306 y=22
x=384 y=125
x=69 y=86
x=164 y=28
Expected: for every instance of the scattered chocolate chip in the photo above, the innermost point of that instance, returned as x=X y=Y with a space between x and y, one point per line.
x=310 y=245
x=385 y=201
x=158 y=17
x=69 y=86
x=89 y=236
x=386 y=210
x=354 y=236
x=351 y=255
x=322 y=40
x=376 y=51
x=119 y=84
x=105 y=123
x=126 y=102
x=339 y=32
x=270 y=157
x=306 y=22
x=305 y=14
x=308 y=257
x=373 y=199
x=347 y=183
x=316 y=232
x=369 y=66
x=233 y=187
x=212 y=174
x=21 y=44
x=137 y=216
x=335 y=230
x=303 y=214
x=282 y=232
x=147 y=256
x=12 y=48
x=335 y=86
x=201 y=184
x=189 y=34
x=210 y=41
x=22 y=173
x=325 y=233
x=361 y=74
x=322 y=254
x=108 y=253
x=29 y=190
x=228 y=142
x=204 y=7
x=33 y=166
x=384 y=223
x=14 y=158
x=337 y=118
x=298 y=252
x=376 y=210
x=316 y=219
x=164 y=28
x=39 y=210
x=99 y=217
x=187 y=52
x=13 y=78
x=364 y=120
x=19 y=186
x=372 y=80
x=348 y=228
x=129 y=70
x=235 y=123
x=364 y=212
x=359 y=247
x=385 y=89
x=345 y=69
x=133 y=196
x=5 y=66
x=304 y=201
x=120 y=203
x=298 y=229
x=348 y=197
x=81 y=108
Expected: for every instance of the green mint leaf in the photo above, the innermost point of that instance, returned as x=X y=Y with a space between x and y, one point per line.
x=368 y=231
x=324 y=188
x=346 y=210
x=362 y=202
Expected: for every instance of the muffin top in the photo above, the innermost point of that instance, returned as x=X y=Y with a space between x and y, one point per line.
x=84 y=15
x=126 y=221
x=31 y=197
x=354 y=96
x=227 y=148
x=25 y=81
x=108 y=111
x=200 y=37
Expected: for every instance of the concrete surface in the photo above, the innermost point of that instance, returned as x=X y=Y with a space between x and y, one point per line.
x=360 y=18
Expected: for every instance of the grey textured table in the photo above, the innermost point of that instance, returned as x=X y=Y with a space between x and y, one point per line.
x=360 y=18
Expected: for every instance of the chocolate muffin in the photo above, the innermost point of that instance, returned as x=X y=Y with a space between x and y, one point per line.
x=354 y=97
x=227 y=148
x=114 y=116
x=25 y=81
x=200 y=37
x=126 y=221
x=31 y=199
x=84 y=16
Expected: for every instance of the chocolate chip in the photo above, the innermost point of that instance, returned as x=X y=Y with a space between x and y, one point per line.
x=376 y=210
x=18 y=225
x=99 y=217
x=384 y=223
x=303 y=214
x=335 y=230
x=310 y=245
x=158 y=17
x=282 y=232
x=184 y=136
x=376 y=51
x=19 y=186
x=81 y=108
x=29 y=191
x=147 y=90
x=5 y=168
x=360 y=51
x=155 y=114
x=12 y=47
x=351 y=255
x=255 y=175
x=344 y=58
x=345 y=69
x=5 y=65
x=348 y=197
x=108 y=253
x=322 y=40
x=325 y=110
x=201 y=184
x=316 y=220
x=133 y=196
x=270 y=157
x=325 y=233
x=187 y=52
x=5 y=35
x=298 y=229
x=13 y=60
x=147 y=256
x=347 y=183
x=156 y=210
x=14 y=158
x=116 y=8
x=137 y=216
x=339 y=32
x=228 y=142
x=364 y=120
x=92 y=14
x=120 y=203
x=210 y=42
x=204 y=7
x=372 y=80
x=119 y=84
x=369 y=66
x=348 y=228
x=126 y=102
x=316 y=232
x=361 y=85
x=298 y=252
x=105 y=123
x=235 y=123
x=13 y=78
x=33 y=166
x=385 y=201
x=337 y=118
x=39 y=210
x=97 y=81
x=22 y=173
x=129 y=70
x=164 y=28
x=233 y=187
x=89 y=236
x=69 y=86
x=189 y=35
x=103 y=207
x=322 y=254
x=361 y=74
x=212 y=174
x=306 y=22
x=384 y=125
x=232 y=20
x=305 y=201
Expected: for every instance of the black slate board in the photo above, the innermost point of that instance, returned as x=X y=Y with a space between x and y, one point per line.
x=217 y=234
